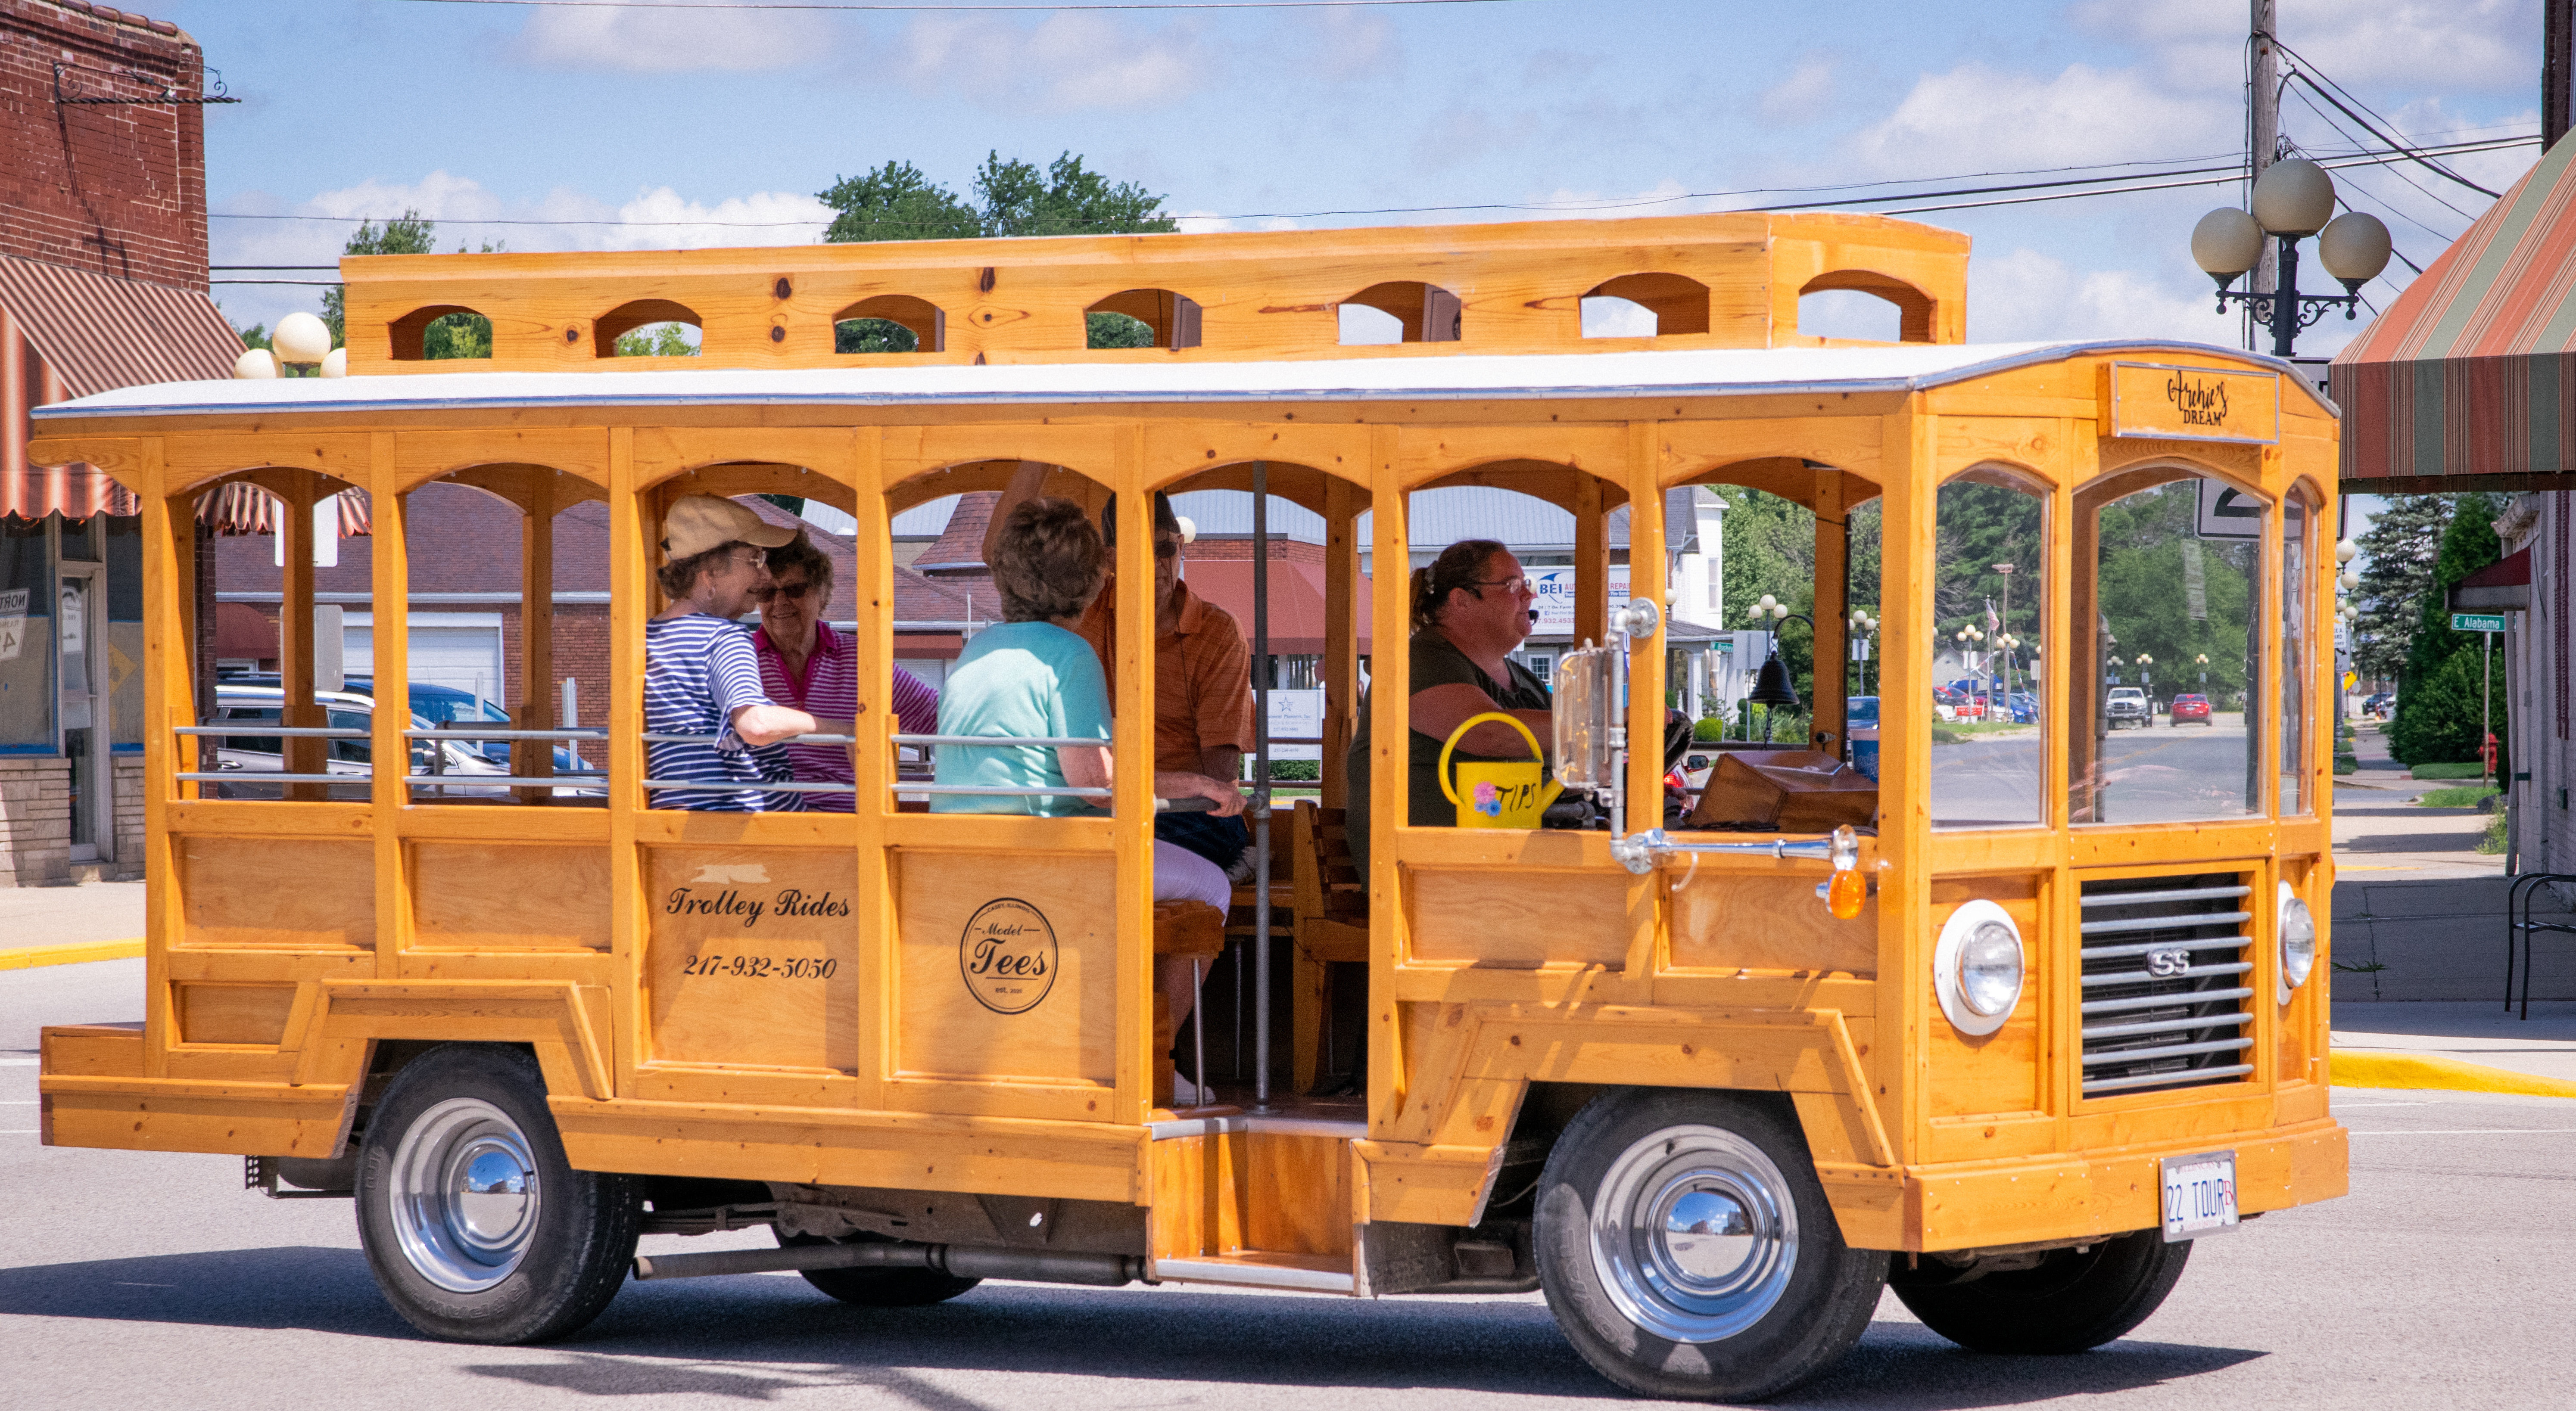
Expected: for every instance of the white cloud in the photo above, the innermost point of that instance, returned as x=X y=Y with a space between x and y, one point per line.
x=2459 y=45
x=1063 y=63
x=673 y=41
x=1975 y=117
x=1350 y=44
x=2029 y=294
x=1803 y=95
x=662 y=219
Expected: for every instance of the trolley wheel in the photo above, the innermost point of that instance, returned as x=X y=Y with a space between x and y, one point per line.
x=2070 y=1302
x=477 y=1228
x=1688 y=1251
x=879 y=1288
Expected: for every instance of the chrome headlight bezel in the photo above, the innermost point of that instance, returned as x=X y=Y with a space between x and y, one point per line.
x=2291 y=917
x=1950 y=953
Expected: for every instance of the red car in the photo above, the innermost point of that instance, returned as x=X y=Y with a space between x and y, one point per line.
x=2191 y=708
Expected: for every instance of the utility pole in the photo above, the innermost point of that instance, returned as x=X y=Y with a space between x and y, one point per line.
x=2557 y=57
x=2262 y=137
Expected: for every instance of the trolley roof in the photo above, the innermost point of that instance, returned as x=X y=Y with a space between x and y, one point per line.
x=1695 y=373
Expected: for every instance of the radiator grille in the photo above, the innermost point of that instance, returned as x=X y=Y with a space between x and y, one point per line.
x=2167 y=969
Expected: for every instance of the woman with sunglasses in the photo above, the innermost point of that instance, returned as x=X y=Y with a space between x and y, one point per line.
x=1472 y=607
x=805 y=664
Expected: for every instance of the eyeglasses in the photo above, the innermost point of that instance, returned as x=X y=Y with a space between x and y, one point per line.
x=1522 y=584
x=751 y=558
x=790 y=591
x=1167 y=548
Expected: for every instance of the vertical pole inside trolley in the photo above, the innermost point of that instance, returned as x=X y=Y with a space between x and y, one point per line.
x=1260 y=805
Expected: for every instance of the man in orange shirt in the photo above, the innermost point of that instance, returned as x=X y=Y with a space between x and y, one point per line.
x=1202 y=673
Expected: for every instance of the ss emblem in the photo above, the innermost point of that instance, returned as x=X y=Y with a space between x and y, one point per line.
x=2165 y=964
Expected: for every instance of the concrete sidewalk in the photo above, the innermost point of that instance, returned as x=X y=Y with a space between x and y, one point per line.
x=53 y=916
x=2449 y=1033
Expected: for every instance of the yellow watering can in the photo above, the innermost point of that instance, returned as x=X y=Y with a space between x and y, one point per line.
x=1498 y=795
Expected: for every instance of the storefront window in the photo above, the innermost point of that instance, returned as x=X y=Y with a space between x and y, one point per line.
x=2166 y=610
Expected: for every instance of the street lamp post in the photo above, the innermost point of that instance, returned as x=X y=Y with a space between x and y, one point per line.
x=1862 y=625
x=2147 y=682
x=2292 y=200
x=2005 y=571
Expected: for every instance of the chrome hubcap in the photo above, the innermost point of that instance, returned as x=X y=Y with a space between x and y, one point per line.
x=1694 y=1234
x=465 y=1197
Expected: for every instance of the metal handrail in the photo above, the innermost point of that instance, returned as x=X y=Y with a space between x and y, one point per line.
x=2519 y=925
x=994 y=741
x=262 y=776
x=524 y=780
x=262 y=728
x=451 y=732
x=656 y=738
x=727 y=786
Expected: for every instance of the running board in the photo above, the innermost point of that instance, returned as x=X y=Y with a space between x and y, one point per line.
x=1046 y=1266
x=1297 y=1272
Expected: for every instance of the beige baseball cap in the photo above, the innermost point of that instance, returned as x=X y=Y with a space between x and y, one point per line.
x=698 y=523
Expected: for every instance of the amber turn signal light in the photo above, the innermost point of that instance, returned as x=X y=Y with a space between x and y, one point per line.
x=1845 y=893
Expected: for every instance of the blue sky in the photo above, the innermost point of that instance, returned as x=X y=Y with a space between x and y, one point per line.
x=688 y=128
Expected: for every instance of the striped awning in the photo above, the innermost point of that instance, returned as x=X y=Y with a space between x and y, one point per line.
x=2472 y=372
x=67 y=333
x=239 y=507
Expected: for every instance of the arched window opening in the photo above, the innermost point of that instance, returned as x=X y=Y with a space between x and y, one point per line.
x=440 y=331
x=1855 y=304
x=1424 y=313
x=648 y=328
x=1989 y=600
x=1142 y=318
x=891 y=323
x=1645 y=306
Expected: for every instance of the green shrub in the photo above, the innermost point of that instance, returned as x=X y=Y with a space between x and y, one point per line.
x=2465 y=797
x=2469 y=770
x=1307 y=771
x=2493 y=843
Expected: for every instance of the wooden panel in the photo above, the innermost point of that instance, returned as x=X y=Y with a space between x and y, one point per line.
x=1427 y=1185
x=508 y=896
x=1458 y=915
x=1198 y=1195
x=237 y=1119
x=1767 y=923
x=233 y=1014
x=289 y=893
x=1999 y=1072
x=1297 y=1194
x=1005 y=972
x=94 y=1050
x=752 y=957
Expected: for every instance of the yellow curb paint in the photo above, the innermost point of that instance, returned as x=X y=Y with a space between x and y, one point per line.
x=2351 y=1069
x=29 y=957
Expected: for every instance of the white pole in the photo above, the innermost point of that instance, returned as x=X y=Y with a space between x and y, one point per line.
x=2486 y=700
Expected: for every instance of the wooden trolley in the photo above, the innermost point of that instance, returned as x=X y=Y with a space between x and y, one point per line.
x=2064 y=1011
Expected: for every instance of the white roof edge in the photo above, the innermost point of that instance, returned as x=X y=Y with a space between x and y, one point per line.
x=1699 y=373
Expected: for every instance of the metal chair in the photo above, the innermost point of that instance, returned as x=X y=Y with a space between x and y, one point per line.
x=2520 y=929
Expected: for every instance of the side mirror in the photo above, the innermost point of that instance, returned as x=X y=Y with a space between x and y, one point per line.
x=1582 y=713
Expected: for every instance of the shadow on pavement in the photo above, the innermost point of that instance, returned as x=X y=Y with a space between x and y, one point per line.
x=754 y=1339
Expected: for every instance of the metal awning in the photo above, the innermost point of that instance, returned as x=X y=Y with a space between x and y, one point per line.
x=68 y=333
x=2468 y=381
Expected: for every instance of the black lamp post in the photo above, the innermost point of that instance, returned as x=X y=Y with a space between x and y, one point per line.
x=2292 y=200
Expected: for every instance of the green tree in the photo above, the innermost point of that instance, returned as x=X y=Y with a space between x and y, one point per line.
x=2396 y=572
x=2434 y=723
x=656 y=340
x=2148 y=541
x=456 y=335
x=897 y=202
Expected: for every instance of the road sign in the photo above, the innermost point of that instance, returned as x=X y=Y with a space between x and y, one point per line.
x=2229 y=513
x=2477 y=622
x=2351 y=679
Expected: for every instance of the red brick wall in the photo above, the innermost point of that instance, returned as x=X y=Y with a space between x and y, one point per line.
x=117 y=189
x=1240 y=550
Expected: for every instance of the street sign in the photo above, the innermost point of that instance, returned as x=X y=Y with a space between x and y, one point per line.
x=2477 y=622
x=2229 y=513
x=2351 y=679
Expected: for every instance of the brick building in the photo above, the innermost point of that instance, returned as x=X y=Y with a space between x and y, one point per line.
x=102 y=285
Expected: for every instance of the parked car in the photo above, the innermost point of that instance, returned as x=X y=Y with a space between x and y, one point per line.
x=2190 y=707
x=433 y=705
x=251 y=755
x=2025 y=708
x=2380 y=704
x=2128 y=706
x=1946 y=702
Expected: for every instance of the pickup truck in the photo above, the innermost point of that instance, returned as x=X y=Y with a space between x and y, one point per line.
x=2128 y=706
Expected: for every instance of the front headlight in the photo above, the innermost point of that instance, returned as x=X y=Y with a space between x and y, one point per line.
x=1977 y=967
x=2298 y=942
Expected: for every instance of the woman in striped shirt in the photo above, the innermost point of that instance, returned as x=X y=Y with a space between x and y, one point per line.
x=701 y=674
x=805 y=664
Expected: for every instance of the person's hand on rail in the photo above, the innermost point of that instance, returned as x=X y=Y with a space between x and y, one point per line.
x=1180 y=784
x=760 y=725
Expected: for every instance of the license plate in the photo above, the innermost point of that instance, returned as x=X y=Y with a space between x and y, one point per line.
x=2200 y=1195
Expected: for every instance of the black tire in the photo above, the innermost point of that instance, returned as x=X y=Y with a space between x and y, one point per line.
x=487 y=1266
x=1776 y=1304
x=2069 y=1303
x=879 y=1288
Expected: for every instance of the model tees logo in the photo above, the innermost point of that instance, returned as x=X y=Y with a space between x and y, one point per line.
x=1007 y=956
x=2168 y=964
x=2202 y=401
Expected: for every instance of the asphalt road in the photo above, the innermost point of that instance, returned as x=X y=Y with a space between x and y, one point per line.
x=2445 y=1280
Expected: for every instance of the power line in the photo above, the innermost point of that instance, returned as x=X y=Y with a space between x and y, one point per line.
x=862 y=6
x=2401 y=176
x=2236 y=174
x=2308 y=73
